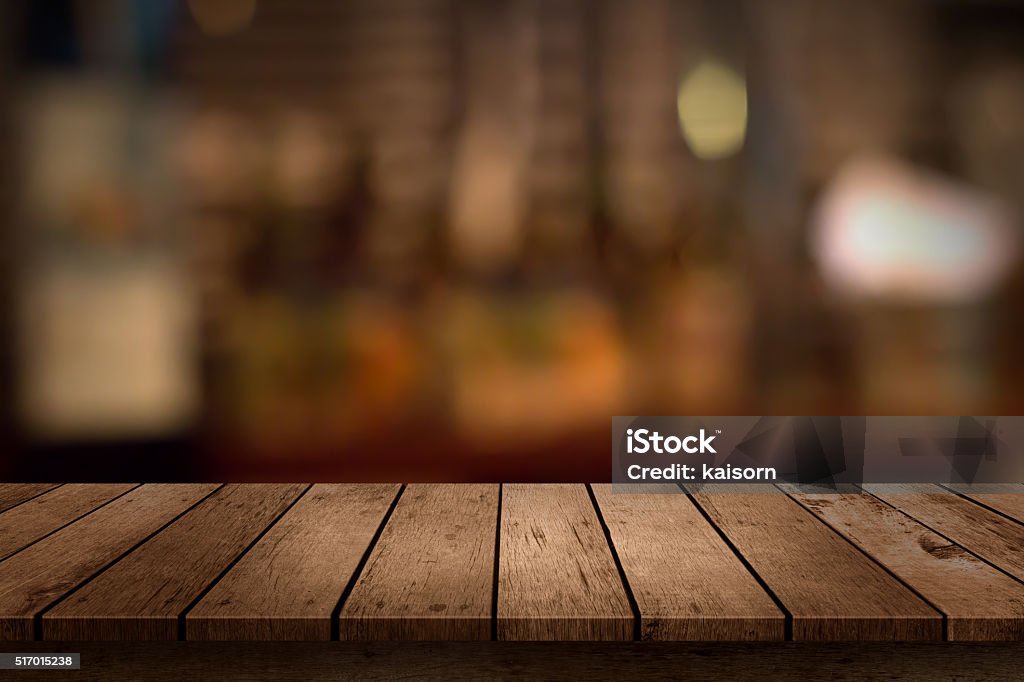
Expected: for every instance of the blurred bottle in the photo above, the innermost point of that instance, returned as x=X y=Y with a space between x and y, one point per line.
x=490 y=183
x=107 y=375
x=107 y=347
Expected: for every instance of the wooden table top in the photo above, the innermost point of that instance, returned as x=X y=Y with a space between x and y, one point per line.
x=506 y=562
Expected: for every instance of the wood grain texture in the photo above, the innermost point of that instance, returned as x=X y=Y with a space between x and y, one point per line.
x=984 y=533
x=986 y=605
x=688 y=584
x=34 y=578
x=142 y=595
x=832 y=590
x=125 y=567
x=1004 y=498
x=287 y=586
x=557 y=576
x=32 y=520
x=12 y=494
x=430 y=576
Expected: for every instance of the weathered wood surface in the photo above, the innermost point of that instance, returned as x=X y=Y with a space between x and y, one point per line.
x=557 y=576
x=982 y=532
x=688 y=583
x=987 y=604
x=36 y=577
x=12 y=494
x=512 y=562
x=431 y=574
x=831 y=589
x=287 y=586
x=142 y=595
x=51 y=511
x=1005 y=498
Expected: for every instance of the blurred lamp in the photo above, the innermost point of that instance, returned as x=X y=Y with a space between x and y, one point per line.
x=712 y=105
x=887 y=230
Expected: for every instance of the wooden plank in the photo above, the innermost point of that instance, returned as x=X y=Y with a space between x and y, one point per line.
x=557 y=576
x=832 y=591
x=35 y=577
x=1004 y=498
x=287 y=586
x=687 y=582
x=142 y=595
x=12 y=494
x=980 y=603
x=430 y=576
x=32 y=520
x=978 y=530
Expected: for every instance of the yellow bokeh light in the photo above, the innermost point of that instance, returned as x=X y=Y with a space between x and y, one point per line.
x=712 y=104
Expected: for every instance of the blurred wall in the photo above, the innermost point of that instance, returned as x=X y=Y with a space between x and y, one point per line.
x=444 y=239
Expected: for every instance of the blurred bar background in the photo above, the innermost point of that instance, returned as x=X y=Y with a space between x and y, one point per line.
x=449 y=239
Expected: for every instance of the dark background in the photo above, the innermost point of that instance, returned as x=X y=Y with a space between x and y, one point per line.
x=449 y=239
